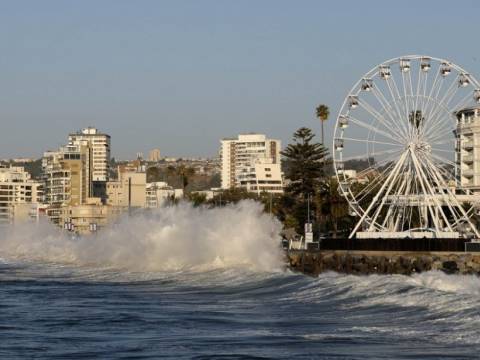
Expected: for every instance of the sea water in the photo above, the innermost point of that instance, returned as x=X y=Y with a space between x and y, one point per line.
x=193 y=283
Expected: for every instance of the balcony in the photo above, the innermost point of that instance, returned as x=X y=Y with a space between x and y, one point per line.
x=467 y=172
x=467 y=159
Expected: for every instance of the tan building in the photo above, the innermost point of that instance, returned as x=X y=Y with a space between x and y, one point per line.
x=129 y=190
x=99 y=143
x=154 y=155
x=89 y=217
x=67 y=178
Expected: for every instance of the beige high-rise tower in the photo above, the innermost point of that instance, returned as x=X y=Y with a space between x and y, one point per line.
x=100 y=145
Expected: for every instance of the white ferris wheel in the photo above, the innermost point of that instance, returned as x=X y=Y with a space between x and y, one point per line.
x=400 y=119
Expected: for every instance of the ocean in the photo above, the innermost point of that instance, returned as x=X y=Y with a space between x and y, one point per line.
x=156 y=290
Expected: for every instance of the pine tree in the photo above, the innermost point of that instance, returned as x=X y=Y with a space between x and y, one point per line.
x=304 y=163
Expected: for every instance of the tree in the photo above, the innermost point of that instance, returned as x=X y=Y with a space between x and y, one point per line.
x=304 y=171
x=323 y=113
x=185 y=173
x=333 y=206
x=305 y=160
x=153 y=174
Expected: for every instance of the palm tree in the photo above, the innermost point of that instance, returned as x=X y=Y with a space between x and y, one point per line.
x=322 y=114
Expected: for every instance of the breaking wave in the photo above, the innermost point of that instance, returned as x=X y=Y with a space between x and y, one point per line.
x=169 y=238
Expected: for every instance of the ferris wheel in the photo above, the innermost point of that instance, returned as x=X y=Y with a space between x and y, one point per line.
x=399 y=128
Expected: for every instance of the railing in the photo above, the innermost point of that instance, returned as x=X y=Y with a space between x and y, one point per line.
x=405 y=244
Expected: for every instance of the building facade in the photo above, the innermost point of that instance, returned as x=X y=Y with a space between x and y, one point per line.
x=20 y=196
x=158 y=193
x=468 y=149
x=67 y=175
x=154 y=155
x=251 y=161
x=89 y=217
x=100 y=146
x=129 y=190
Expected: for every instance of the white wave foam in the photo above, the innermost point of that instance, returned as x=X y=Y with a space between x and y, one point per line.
x=170 y=238
x=437 y=280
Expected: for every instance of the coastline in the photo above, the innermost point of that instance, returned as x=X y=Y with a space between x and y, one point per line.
x=363 y=262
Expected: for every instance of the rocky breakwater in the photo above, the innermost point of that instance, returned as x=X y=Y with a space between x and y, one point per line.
x=382 y=262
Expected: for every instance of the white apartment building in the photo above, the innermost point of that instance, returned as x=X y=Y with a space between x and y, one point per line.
x=159 y=192
x=20 y=196
x=100 y=145
x=251 y=161
x=468 y=148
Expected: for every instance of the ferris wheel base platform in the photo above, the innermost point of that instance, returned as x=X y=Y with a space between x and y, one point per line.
x=407 y=234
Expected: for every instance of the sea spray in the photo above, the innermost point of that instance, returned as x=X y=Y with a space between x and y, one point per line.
x=169 y=238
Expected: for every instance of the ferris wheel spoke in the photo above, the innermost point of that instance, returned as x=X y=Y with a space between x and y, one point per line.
x=379 y=193
x=372 y=128
x=373 y=182
x=443 y=150
x=389 y=110
x=444 y=169
x=401 y=106
x=395 y=198
x=379 y=164
x=396 y=95
x=433 y=96
x=462 y=103
x=441 y=140
x=418 y=98
x=362 y=156
x=410 y=87
x=431 y=91
x=424 y=97
x=438 y=137
x=376 y=114
x=453 y=203
x=444 y=102
x=442 y=159
x=406 y=104
x=446 y=197
x=391 y=181
x=371 y=141
x=427 y=190
x=438 y=127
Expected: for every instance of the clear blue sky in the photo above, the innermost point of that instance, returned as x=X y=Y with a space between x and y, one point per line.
x=180 y=75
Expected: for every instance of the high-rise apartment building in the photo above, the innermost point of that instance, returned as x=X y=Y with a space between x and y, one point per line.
x=100 y=145
x=67 y=175
x=251 y=161
x=20 y=196
x=154 y=155
x=468 y=148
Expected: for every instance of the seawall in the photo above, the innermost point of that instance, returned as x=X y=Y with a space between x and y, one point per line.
x=314 y=262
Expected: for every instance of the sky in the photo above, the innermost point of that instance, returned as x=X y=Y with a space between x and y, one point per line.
x=180 y=75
